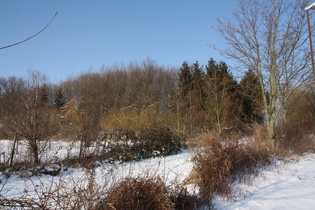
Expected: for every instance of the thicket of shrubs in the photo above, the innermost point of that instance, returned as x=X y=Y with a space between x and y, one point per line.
x=116 y=146
x=220 y=162
x=151 y=141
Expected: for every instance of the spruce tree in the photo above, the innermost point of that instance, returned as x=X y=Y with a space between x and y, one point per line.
x=252 y=97
x=197 y=75
x=222 y=100
x=60 y=98
x=185 y=79
x=198 y=83
x=211 y=67
x=220 y=74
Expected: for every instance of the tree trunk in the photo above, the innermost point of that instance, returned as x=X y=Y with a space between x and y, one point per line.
x=178 y=118
x=273 y=82
x=271 y=125
x=13 y=150
x=82 y=145
x=34 y=148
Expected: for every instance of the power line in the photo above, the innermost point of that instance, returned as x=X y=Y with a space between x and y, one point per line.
x=11 y=45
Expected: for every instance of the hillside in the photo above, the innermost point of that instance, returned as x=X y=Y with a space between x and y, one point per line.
x=283 y=185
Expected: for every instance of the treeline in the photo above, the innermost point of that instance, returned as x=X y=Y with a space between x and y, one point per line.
x=187 y=100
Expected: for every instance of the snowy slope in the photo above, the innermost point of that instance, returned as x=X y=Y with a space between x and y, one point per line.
x=175 y=167
x=284 y=186
x=281 y=186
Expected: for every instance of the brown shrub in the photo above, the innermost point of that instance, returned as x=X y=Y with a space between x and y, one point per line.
x=182 y=198
x=138 y=193
x=260 y=134
x=294 y=139
x=218 y=164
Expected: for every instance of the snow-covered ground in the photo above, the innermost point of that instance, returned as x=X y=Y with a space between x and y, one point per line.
x=53 y=150
x=280 y=186
x=170 y=169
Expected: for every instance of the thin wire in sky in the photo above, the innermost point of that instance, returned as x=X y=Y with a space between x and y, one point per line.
x=11 y=45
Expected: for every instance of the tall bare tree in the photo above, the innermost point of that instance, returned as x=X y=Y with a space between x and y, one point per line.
x=25 y=111
x=269 y=37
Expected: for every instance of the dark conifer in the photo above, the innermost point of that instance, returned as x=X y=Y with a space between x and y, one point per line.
x=252 y=97
x=60 y=98
x=185 y=79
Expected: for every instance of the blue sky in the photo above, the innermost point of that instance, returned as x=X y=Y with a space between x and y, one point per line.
x=87 y=35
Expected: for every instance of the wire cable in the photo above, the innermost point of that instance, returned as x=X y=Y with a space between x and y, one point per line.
x=11 y=45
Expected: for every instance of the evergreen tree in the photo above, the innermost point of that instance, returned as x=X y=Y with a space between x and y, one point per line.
x=60 y=98
x=222 y=100
x=197 y=75
x=198 y=83
x=185 y=79
x=211 y=67
x=252 y=97
x=219 y=73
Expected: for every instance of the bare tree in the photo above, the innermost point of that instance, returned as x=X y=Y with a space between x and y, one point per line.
x=25 y=111
x=269 y=36
x=82 y=124
x=11 y=91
